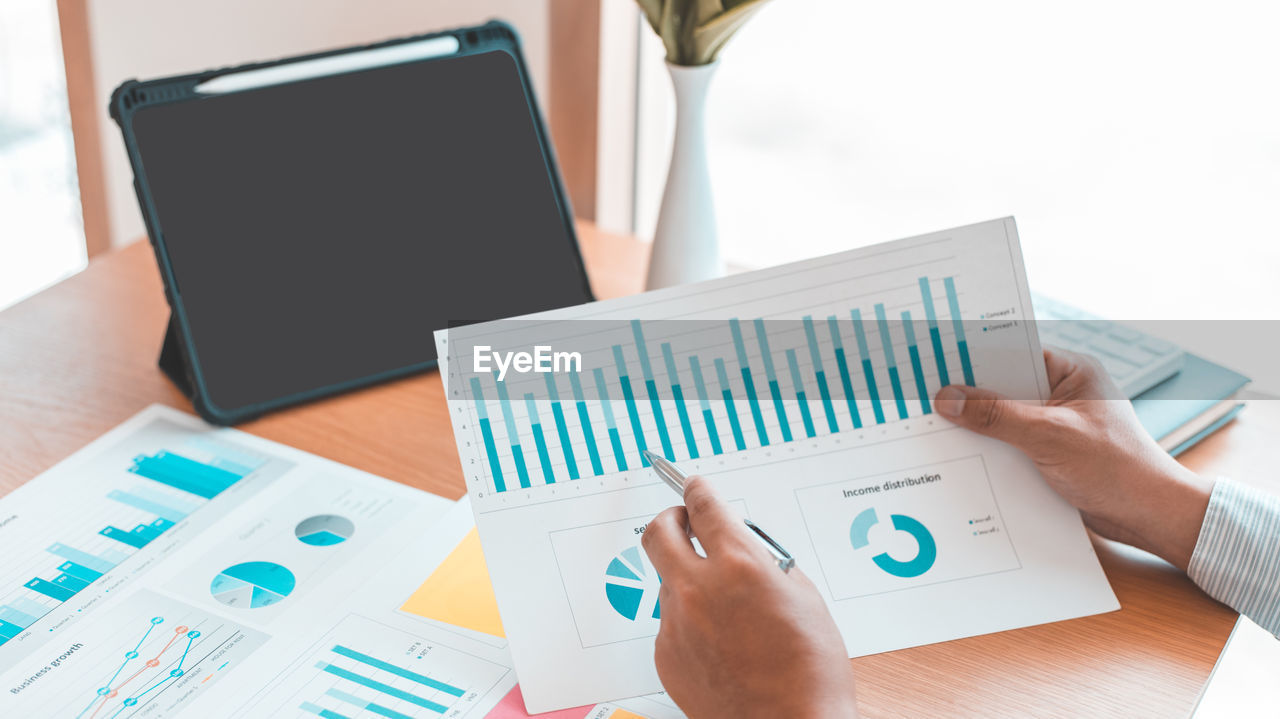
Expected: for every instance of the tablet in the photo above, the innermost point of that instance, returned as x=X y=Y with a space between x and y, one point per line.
x=316 y=218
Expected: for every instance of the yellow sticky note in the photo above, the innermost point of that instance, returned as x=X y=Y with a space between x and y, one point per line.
x=459 y=591
x=624 y=714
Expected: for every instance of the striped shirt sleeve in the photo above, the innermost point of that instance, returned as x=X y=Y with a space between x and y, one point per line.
x=1237 y=555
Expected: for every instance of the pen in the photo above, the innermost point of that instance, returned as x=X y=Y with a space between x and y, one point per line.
x=675 y=479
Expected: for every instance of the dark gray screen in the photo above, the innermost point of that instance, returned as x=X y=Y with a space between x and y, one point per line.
x=320 y=231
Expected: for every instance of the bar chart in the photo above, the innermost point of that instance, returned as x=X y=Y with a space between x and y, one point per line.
x=804 y=394
x=774 y=382
x=364 y=666
x=165 y=487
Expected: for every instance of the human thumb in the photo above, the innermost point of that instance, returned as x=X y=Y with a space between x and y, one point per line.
x=989 y=413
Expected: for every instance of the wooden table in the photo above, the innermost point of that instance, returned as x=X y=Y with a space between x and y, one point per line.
x=80 y=357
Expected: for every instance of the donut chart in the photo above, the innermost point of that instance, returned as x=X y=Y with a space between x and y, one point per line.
x=926 y=547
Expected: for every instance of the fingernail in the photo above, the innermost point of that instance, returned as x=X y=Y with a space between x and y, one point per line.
x=950 y=401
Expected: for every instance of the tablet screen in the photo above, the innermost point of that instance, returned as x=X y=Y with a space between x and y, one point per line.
x=319 y=231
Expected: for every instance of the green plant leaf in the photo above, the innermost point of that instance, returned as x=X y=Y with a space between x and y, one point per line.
x=706 y=10
x=711 y=37
x=652 y=10
x=694 y=31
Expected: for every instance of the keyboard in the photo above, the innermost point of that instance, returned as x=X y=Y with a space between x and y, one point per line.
x=1135 y=360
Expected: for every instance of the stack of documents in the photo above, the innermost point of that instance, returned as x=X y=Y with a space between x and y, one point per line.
x=173 y=570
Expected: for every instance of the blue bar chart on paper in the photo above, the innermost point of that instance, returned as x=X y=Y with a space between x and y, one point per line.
x=717 y=387
x=150 y=494
x=806 y=395
x=364 y=668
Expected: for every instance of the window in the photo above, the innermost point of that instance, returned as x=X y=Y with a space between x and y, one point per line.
x=1136 y=143
x=41 y=238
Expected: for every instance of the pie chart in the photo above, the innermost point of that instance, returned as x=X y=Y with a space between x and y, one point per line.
x=926 y=547
x=324 y=530
x=630 y=584
x=252 y=585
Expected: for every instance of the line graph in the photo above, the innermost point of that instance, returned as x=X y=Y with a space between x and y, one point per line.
x=111 y=690
x=149 y=656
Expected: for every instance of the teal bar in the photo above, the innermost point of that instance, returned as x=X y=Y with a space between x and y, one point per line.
x=872 y=390
x=651 y=386
x=422 y=679
x=953 y=301
x=916 y=366
x=615 y=440
x=9 y=630
x=147 y=532
x=727 y=393
x=384 y=688
x=491 y=450
x=49 y=589
x=120 y=535
x=80 y=571
x=820 y=374
x=678 y=395
x=486 y=432
x=159 y=470
x=158 y=496
x=29 y=606
x=17 y=618
x=172 y=514
x=705 y=402
x=321 y=711
x=899 y=399
x=805 y=417
x=522 y=471
x=748 y=384
x=775 y=390
x=842 y=364
x=935 y=336
x=196 y=477
x=655 y=404
x=368 y=706
x=215 y=475
x=539 y=440
x=96 y=563
x=641 y=350
x=227 y=457
x=67 y=581
x=695 y=369
x=513 y=435
x=584 y=419
x=629 y=399
x=565 y=446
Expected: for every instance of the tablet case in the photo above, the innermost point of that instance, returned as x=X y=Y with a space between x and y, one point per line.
x=177 y=353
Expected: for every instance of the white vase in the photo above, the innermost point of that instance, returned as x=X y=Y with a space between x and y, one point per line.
x=685 y=245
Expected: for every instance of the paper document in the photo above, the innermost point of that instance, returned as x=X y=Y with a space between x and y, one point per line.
x=173 y=570
x=804 y=392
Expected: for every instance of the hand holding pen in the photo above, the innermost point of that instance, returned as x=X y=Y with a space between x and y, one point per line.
x=736 y=633
x=676 y=480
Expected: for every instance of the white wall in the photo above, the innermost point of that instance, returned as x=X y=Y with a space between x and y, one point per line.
x=145 y=39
